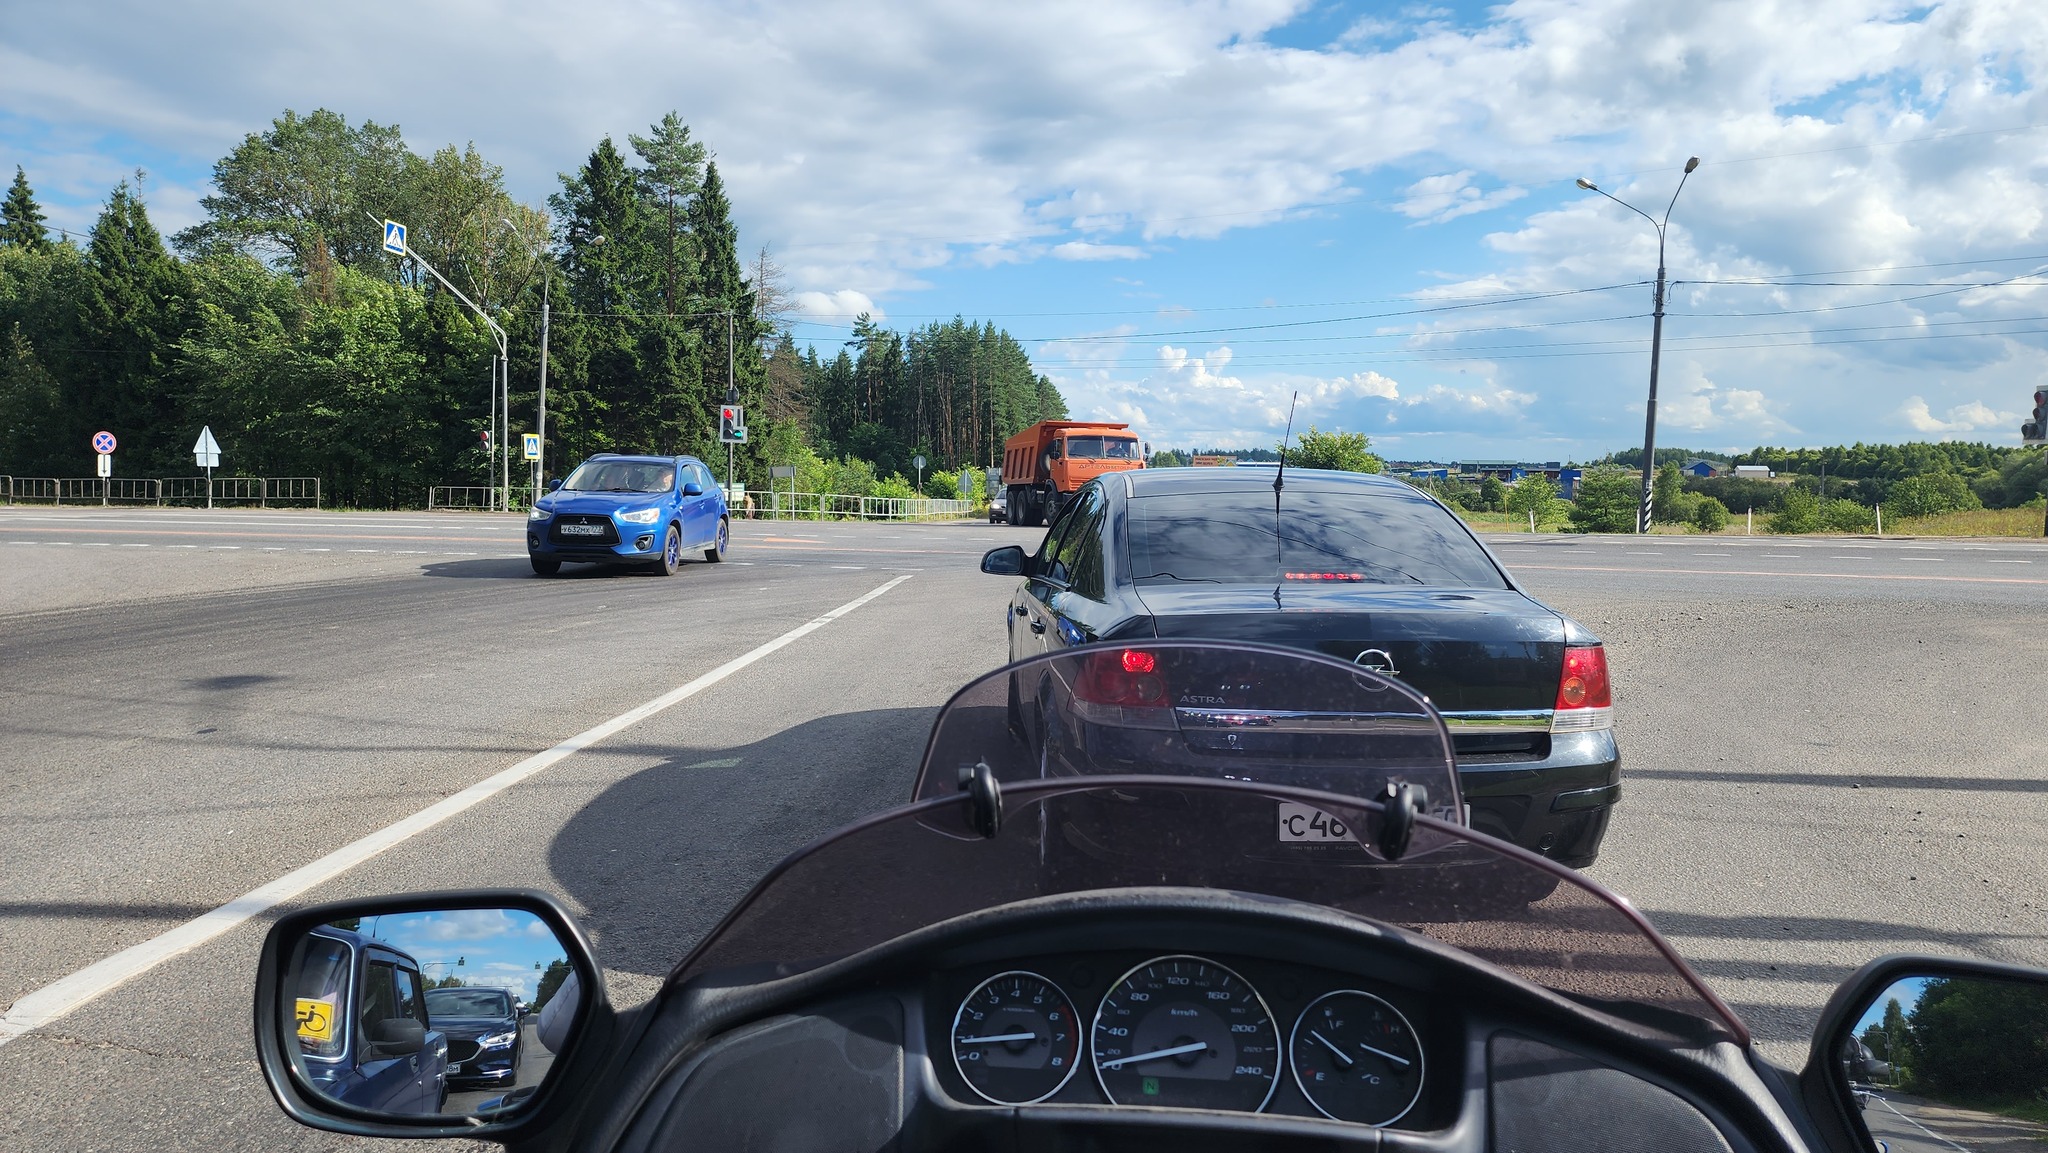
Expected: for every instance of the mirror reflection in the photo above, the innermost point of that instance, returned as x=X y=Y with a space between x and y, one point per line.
x=1940 y=1063
x=457 y=1012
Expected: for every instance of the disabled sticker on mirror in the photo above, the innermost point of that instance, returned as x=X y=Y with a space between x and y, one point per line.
x=316 y=1019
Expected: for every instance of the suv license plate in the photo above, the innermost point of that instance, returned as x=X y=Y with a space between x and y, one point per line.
x=582 y=530
x=1300 y=823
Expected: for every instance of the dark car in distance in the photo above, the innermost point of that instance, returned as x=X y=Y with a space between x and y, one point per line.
x=1365 y=569
x=483 y=1033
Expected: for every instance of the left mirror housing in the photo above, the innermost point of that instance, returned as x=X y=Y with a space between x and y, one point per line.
x=1005 y=561
x=438 y=1013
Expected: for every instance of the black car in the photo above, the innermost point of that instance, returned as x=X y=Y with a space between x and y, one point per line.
x=1362 y=568
x=483 y=1033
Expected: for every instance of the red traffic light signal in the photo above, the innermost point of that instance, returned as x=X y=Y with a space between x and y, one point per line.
x=487 y=438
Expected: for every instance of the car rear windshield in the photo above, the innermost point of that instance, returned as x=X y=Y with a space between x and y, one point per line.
x=468 y=1003
x=621 y=476
x=1353 y=536
x=1102 y=447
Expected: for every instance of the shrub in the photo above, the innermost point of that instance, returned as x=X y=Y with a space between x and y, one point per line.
x=894 y=485
x=1606 y=501
x=1798 y=511
x=1930 y=495
x=1710 y=515
x=1535 y=494
x=1846 y=516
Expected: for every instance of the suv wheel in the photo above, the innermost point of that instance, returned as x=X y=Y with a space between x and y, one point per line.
x=544 y=567
x=716 y=552
x=671 y=561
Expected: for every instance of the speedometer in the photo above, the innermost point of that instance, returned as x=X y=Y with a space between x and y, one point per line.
x=1186 y=1032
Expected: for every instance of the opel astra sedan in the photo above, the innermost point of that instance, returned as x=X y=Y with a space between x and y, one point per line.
x=1362 y=568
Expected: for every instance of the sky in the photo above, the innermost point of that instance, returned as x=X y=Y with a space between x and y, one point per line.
x=1192 y=213
x=501 y=948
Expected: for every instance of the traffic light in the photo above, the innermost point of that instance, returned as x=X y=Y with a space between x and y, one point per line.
x=2035 y=431
x=487 y=440
x=732 y=424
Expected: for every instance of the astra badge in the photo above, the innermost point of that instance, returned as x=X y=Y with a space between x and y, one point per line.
x=1378 y=660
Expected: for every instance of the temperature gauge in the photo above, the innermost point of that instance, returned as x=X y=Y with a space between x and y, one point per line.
x=1356 y=1058
x=1015 y=1041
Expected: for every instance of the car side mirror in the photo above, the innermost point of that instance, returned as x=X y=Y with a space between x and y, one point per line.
x=554 y=482
x=461 y=960
x=1005 y=561
x=692 y=488
x=397 y=1037
x=1911 y=1045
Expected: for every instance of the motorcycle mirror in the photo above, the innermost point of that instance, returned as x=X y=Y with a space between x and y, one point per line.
x=1005 y=561
x=1912 y=1047
x=408 y=1016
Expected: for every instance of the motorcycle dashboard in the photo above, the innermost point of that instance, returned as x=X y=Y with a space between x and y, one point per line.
x=1185 y=1020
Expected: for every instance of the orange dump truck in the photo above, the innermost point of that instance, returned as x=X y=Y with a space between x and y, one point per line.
x=1046 y=463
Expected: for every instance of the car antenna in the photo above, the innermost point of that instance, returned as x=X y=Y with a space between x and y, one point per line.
x=1280 y=483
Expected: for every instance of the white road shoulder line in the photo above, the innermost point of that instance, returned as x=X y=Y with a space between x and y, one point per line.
x=1919 y=1126
x=65 y=994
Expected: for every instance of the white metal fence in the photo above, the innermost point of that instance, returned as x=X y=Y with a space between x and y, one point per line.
x=773 y=505
x=266 y=492
x=475 y=498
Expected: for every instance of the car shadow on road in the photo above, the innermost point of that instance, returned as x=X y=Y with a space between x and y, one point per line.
x=507 y=568
x=658 y=858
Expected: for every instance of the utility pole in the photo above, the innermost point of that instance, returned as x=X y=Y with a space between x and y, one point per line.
x=540 y=421
x=1656 y=335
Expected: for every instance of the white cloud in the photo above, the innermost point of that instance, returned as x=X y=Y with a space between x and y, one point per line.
x=841 y=306
x=1972 y=416
x=1436 y=199
x=1083 y=250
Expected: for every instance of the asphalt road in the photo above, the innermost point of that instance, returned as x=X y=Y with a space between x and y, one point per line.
x=1826 y=753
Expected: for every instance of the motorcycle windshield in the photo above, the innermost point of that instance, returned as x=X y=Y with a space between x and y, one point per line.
x=1123 y=786
x=1192 y=709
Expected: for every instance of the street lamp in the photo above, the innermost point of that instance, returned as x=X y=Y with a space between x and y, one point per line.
x=1656 y=334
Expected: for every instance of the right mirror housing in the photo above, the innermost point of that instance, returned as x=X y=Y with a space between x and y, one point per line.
x=1005 y=561
x=1913 y=1048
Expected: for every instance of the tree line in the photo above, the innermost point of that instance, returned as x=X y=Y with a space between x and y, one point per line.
x=282 y=323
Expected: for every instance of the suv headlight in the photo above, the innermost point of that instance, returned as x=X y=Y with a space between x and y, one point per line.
x=641 y=516
x=495 y=1040
x=538 y=513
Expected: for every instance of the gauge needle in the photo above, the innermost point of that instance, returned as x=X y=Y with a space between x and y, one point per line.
x=1339 y=1054
x=1401 y=1061
x=999 y=1039
x=1176 y=1051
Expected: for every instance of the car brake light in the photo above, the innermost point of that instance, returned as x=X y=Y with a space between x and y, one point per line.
x=1129 y=678
x=1326 y=576
x=1585 y=700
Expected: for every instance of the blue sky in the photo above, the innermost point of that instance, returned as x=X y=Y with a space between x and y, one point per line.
x=500 y=948
x=1192 y=211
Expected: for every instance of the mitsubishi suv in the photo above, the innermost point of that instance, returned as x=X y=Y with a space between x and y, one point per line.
x=644 y=511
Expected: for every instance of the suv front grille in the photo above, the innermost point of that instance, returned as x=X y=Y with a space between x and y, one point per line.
x=609 y=535
x=460 y=1051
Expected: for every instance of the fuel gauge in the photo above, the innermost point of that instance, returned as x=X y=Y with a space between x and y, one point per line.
x=1356 y=1058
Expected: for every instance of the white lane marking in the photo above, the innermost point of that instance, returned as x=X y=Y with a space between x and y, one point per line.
x=1921 y=547
x=1781 y=555
x=65 y=994
x=1935 y=559
x=849 y=567
x=95 y=544
x=1919 y=1126
x=316 y=550
x=2008 y=562
x=1852 y=558
x=1639 y=552
x=362 y=550
x=1713 y=554
x=134 y=546
x=226 y=547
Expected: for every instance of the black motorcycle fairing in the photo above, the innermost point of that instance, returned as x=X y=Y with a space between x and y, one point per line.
x=685 y=1023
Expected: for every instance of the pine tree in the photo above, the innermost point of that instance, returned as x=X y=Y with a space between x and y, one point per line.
x=674 y=172
x=21 y=218
x=132 y=310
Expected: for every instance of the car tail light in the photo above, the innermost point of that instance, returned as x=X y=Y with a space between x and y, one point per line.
x=1123 y=687
x=1585 y=701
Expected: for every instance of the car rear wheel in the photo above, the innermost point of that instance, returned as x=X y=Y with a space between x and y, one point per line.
x=542 y=567
x=716 y=552
x=671 y=561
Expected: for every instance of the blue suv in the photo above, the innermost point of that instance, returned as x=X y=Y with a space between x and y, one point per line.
x=641 y=510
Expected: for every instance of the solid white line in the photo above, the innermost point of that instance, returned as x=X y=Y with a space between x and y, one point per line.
x=60 y=997
x=1919 y=1126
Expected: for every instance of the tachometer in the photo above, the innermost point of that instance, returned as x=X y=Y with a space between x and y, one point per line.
x=1016 y=1038
x=1356 y=1058
x=1186 y=1032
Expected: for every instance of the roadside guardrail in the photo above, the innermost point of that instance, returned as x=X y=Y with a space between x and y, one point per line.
x=475 y=498
x=265 y=492
x=785 y=505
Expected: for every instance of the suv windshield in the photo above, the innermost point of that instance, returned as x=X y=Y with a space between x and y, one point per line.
x=621 y=476
x=1327 y=533
x=468 y=1003
x=1101 y=447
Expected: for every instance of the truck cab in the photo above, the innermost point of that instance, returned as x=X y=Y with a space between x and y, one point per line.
x=364 y=1036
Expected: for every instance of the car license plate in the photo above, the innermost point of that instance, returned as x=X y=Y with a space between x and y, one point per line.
x=1308 y=823
x=582 y=530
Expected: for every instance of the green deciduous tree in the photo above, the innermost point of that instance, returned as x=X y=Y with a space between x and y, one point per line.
x=1339 y=451
x=1535 y=494
x=1606 y=501
x=1930 y=495
x=1709 y=515
x=1978 y=1039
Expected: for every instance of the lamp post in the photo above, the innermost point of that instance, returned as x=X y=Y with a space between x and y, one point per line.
x=1656 y=334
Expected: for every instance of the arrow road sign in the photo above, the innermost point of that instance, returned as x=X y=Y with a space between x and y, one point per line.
x=103 y=442
x=106 y=464
x=394 y=238
x=206 y=450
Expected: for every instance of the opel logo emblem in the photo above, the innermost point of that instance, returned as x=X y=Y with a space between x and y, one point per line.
x=1378 y=660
